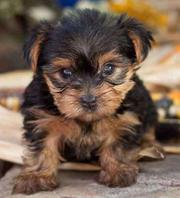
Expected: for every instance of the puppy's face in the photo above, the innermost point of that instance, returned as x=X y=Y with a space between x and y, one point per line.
x=88 y=60
x=87 y=89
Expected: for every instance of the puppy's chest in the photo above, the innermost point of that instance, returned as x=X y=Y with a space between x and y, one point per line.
x=85 y=144
x=87 y=139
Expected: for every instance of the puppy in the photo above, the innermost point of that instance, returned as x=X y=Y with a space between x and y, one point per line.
x=85 y=101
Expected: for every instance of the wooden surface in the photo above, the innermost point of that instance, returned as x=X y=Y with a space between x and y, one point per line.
x=16 y=79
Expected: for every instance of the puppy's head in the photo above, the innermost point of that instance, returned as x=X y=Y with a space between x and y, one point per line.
x=88 y=60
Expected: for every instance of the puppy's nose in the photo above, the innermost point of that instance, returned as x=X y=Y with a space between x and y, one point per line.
x=88 y=102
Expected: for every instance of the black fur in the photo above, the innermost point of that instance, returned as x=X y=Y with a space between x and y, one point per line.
x=85 y=101
x=83 y=35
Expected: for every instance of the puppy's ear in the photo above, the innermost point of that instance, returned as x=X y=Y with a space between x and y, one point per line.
x=140 y=36
x=33 y=45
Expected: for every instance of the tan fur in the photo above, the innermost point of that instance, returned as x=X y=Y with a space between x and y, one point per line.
x=35 y=50
x=113 y=128
x=108 y=57
x=40 y=170
x=31 y=183
x=104 y=132
x=108 y=99
x=149 y=141
x=137 y=45
x=130 y=72
x=62 y=62
x=117 y=172
x=118 y=165
x=149 y=136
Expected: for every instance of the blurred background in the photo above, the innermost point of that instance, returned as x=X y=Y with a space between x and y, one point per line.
x=160 y=71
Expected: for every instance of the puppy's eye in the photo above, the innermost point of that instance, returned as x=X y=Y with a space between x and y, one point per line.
x=66 y=73
x=108 y=69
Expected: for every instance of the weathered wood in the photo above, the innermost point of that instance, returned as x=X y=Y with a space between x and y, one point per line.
x=10 y=126
x=172 y=149
x=13 y=80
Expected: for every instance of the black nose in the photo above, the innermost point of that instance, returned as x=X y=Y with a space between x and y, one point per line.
x=88 y=102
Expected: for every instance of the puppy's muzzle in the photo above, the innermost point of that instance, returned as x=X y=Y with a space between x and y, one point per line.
x=88 y=102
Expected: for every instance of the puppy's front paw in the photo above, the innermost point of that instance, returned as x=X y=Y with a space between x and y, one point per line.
x=31 y=183
x=122 y=177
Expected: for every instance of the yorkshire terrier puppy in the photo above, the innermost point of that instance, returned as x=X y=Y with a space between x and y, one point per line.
x=85 y=101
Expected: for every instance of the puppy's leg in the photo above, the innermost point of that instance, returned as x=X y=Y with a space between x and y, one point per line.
x=40 y=170
x=118 y=154
x=42 y=159
x=118 y=167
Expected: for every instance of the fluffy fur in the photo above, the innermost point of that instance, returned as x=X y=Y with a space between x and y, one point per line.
x=85 y=101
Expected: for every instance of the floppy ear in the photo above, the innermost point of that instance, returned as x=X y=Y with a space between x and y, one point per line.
x=139 y=35
x=33 y=45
